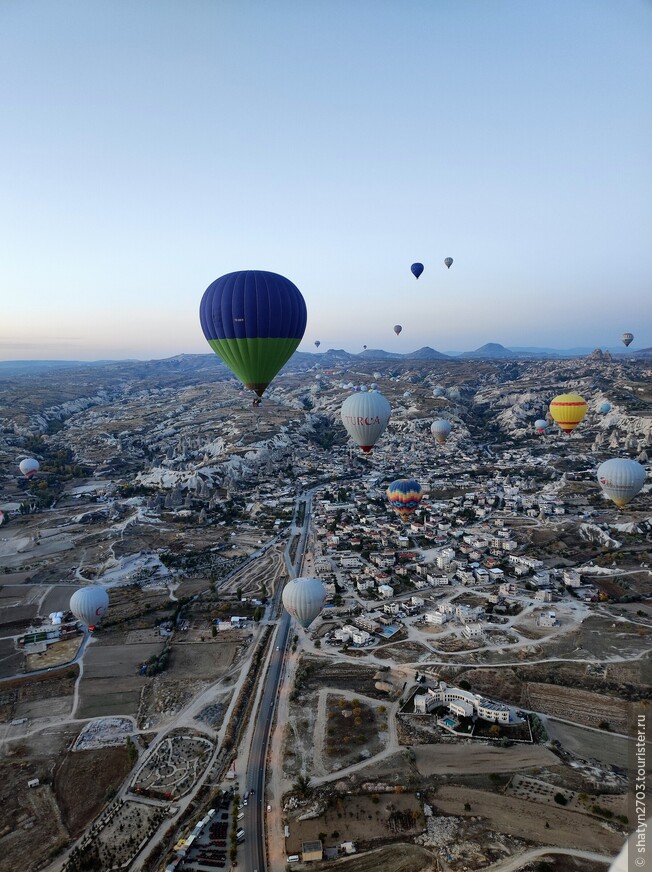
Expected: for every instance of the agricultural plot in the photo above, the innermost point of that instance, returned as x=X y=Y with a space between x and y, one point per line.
x=56 y=654
x=460 y=759
x=29 y=697
x=590 y=745
x=580 y=706
x=385 y=816
x=58 y=598
x=526 y=820
x=111 y=683
x=120 y=834
x=11 y=661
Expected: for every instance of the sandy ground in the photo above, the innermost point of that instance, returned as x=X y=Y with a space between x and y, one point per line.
x=527 y=820
x=55 y=654
x=441 y=759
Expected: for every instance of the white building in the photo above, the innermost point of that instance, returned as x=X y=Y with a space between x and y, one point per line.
x=386 y=591
x=436 y=618
x=444 y=695
x=472 y=631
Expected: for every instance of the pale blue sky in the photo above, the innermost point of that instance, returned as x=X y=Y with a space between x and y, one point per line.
x=149 y=147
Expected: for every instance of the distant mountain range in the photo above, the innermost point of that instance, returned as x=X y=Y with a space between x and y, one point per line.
x=489 y=351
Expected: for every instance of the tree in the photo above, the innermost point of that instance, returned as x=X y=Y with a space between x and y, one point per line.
x=302 y=786
x=560 y=799
x=467 y=806
x=494 y=731
x=464 y=684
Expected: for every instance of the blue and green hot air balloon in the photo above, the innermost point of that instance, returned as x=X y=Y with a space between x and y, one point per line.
x=253 y=320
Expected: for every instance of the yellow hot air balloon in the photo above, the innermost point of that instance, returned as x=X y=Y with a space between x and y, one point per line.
x=567 y=411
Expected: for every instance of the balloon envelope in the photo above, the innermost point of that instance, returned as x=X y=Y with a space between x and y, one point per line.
x=621 y=479
x=304 y=599
x=29 y=467
x=89 y=605
x=365 y=417
x=254 y=320
x=438 y=392
x=441 y=429
x=567 y=411
x=628 y=338
x=448 y=261
x=417 y=269
x=540 y=425
x=397 y=328
x=404 y=494
x=605 y=407
x=317 y=343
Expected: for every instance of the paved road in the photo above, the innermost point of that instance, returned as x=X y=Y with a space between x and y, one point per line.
x=253 y=853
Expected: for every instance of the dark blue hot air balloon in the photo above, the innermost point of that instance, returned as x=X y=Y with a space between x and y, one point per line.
x=254 y=320
x=417 y=269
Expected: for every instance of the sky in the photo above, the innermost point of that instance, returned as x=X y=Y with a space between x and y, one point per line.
x=149 y=147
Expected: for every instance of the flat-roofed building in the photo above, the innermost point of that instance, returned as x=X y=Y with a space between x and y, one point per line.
x=311 y=851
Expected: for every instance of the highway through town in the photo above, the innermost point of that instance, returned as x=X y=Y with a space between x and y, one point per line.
x=253 y=855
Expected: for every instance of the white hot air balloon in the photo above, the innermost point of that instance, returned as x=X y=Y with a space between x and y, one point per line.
x=441 y=429
x=540 y=425
x=365 y=417
x=438 y=391
x=304 y=599
x=29 y=467
x=621 y=479
x=89 y=605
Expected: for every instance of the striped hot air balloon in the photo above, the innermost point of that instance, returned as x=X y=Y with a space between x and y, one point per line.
x=404 y=494
x=567 y=411
x=254 y=320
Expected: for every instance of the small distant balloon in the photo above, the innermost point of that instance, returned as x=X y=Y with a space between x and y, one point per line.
x=417 y=269
x=317 y=343
x=448 y=261
x=627 y=339
x=364 y=347
x=438 y=392
x=29 y=467
x=441 y=429
x=605 y=408
x=540 y=425
x=397 y=328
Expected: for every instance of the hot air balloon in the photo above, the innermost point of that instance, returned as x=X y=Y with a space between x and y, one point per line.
x=397 y=328
x=540 y=425
x=621 y=479
x=29 y=467
x=374 y=386
x=406 y=394
x=567 y=411
x=377 y=375
x=254 y=321
x=317 y=343
x=364 y=347
x=441 y=429
x=605 y=407
x=404 y=495
x=365 y=417
x=304 y=599
x=448 y=261
x=417 y=269
x=438 y=391
x=627 y=338
x=89 y=605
